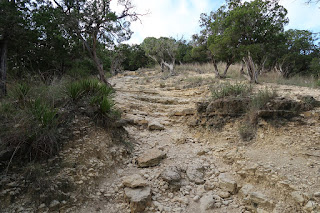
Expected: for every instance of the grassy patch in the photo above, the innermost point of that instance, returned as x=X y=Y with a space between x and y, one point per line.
x=34 y=118
x=234 y=90
x=261 y=98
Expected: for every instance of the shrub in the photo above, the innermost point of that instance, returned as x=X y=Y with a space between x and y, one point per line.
x=262 y=98
x=227 y=89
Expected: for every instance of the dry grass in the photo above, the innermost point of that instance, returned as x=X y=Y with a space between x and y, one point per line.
x=303 y=81
x=234 y=73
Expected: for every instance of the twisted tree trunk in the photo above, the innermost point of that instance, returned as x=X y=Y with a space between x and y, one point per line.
x=252 y=72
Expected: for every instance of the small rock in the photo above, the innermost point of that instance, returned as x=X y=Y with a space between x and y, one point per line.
x=207 y=202
x=171 y=174
x=134 y=181
x=150 y=158
x=195 y=173
x=223 y=194
x=259 y=210
x=227 y=184
x=196 y=198
x=310 y=206
x=317 y=194
x=138 y=198
x=298 y=197
x=154 y=125
x=54 y=203
x=259 y=198
x=245 y=190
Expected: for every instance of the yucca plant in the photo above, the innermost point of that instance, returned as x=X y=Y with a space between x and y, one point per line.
x=21 y=92
x=105 y=105
x=43 y=113
x=75 y=91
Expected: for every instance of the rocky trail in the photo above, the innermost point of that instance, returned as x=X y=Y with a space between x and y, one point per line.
x=179 y=167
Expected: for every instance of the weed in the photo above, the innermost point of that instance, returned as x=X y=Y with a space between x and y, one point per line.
x=227 y=89
x=247 y=132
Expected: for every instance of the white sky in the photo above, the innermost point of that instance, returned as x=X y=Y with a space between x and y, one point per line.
x=177 y=18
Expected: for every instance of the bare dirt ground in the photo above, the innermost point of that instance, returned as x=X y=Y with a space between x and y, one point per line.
x=278 y=171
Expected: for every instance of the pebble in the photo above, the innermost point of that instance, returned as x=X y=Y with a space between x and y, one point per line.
x=196 y=198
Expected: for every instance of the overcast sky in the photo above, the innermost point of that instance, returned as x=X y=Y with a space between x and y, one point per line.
x=177 y=18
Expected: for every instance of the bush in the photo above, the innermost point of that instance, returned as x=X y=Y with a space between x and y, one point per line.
x=227 y=90
x=31 y=131
x=262 y=98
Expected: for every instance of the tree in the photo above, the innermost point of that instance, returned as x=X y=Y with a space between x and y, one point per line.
x=162 y=50
x=298 y=52
x=244 y=31
x=93 y=22
x=11 y=17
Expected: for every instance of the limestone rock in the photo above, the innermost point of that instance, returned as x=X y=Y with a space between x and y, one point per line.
x=138 y=198
x=150 y=158
x=172 y=175
x=259 y=199
x=195 y=173
x=207 y=202
x=311 y=206
x=134 y=181
x=227 y=183
x=245 y=190
x=298 y=197
x=154 y=125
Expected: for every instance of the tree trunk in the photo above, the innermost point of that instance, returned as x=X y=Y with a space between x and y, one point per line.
x=96 y=60
x=3 y=67
x=216 y=70
x=252 y=72
x=226 y=70
x=242 y=68
x=170 y=67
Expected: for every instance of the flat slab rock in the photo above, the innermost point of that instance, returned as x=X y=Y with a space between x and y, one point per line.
x=134 y=181
x=154 y=125
x=150 y=158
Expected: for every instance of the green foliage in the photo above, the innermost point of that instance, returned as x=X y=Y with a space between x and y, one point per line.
x=43 y=113
x=315 y=67
x=74 y=91
x=227 y=90
x=21 y=92
x=162 y=50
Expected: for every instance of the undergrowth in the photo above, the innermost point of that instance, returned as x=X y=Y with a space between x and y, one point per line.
x=228 y=89
x=34 y=118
